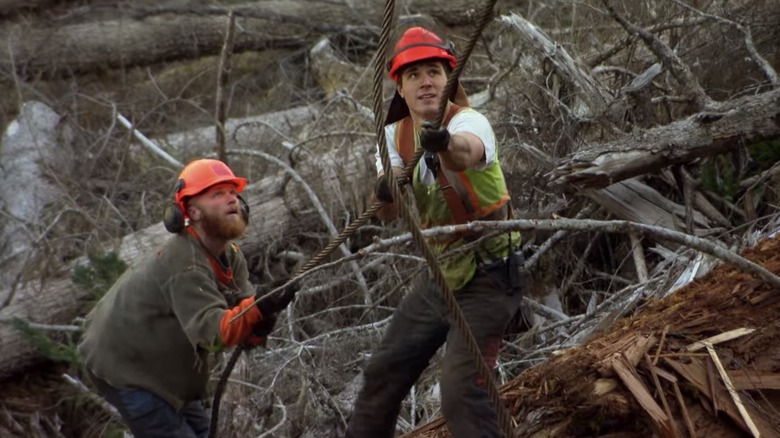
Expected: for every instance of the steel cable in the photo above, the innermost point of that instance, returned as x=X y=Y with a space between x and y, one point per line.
x=400 y=198
x=504 y=420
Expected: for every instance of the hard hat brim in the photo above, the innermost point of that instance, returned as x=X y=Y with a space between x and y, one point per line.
x=417 y=54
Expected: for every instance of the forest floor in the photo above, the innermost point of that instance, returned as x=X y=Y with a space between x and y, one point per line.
x=645 y=376
x=642 y=377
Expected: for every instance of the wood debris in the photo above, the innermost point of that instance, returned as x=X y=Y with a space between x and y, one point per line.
x=667 y=369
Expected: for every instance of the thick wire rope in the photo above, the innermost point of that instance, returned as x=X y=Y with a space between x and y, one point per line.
x=503 y=418
x=400 y=197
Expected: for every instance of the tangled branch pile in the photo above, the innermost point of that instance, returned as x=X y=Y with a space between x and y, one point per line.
x=660 y=112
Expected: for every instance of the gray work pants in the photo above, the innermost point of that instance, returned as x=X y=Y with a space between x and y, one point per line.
x=420 y=325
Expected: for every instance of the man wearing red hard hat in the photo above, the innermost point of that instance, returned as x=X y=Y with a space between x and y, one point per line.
x=460 y=180
x=147 y=340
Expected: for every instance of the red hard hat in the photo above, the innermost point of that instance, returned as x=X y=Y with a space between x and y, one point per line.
x=199 y=175
x=415 y=45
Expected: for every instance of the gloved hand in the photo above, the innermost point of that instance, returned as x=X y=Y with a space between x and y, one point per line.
x=278 y=301
x=231 y=333
x=382 y=190
x=434 y=139
x=261 y=330
x=266 y=326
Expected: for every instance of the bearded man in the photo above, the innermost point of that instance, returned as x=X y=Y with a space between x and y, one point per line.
x=147 y=340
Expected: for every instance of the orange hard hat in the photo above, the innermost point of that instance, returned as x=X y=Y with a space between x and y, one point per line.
x=417 y=44
x=199 y=175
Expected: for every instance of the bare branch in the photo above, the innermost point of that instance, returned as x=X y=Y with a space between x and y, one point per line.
x=594 y=95
x=223 y=76
x=148 y=143
x=762 y=63
x=667 y=56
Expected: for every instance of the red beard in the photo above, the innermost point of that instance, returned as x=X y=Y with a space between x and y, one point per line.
x=224 y=227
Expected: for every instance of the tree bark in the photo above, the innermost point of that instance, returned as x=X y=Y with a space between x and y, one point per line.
x=8 y=7
x=174 y=34
x=738 y=122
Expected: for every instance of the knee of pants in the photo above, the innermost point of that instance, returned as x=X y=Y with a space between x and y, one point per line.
x=374 y=369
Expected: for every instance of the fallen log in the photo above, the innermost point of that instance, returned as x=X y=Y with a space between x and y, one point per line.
x=163 y=35
x=737 y=122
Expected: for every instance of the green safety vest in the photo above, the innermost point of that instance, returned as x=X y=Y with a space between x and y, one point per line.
x=457 y=198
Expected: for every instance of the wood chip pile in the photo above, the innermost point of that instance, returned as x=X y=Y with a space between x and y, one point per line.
x=703 y=362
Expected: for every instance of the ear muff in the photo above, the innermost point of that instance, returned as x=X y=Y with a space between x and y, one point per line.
x=244 y=208
x=173 y=216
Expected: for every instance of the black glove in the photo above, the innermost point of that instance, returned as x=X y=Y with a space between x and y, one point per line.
x=260 y=331
x=278 y=301
x=382 y=190
x=434 y=139
x=264 y=327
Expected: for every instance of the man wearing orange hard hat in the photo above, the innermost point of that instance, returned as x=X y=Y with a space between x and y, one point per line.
x=458 y=181
x=147 y=340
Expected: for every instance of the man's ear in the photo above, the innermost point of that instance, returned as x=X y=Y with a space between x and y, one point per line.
x=194 y=213
x=398 y=88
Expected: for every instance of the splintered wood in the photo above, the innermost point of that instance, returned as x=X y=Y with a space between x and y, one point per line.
x=702 y=362
x=717 y=387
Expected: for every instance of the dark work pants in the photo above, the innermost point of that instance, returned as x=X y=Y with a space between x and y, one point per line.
x=420 y=325
x=149 y=416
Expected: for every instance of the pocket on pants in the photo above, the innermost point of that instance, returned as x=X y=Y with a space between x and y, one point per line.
x=138 y=402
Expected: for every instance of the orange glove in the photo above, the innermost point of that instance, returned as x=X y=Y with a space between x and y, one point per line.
x=232 y=333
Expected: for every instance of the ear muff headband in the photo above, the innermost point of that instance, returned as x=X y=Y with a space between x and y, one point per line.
x=244 y=208
x=173 y=214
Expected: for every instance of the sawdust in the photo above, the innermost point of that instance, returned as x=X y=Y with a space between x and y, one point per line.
x=556 y=398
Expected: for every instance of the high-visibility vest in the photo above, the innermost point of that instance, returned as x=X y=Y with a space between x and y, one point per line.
x=465 y=203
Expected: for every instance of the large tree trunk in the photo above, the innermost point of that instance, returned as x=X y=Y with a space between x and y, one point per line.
x=33 y=143
x=174 y=34
x=56 y=301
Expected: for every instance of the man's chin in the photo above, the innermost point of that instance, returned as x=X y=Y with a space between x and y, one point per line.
x=231 y=228
x=428 y=112
x=235 y=229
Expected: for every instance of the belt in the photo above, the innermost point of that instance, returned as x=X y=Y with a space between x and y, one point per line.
x=491 y=263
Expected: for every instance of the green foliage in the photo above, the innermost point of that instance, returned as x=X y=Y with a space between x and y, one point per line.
x=718 y=175
x=51 y=349
x=96 y=278
x=765 y=153
x=100 y=274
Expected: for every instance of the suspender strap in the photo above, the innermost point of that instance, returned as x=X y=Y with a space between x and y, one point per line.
x=462 y=210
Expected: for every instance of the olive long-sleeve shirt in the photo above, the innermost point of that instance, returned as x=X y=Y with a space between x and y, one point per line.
x=153 y=329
